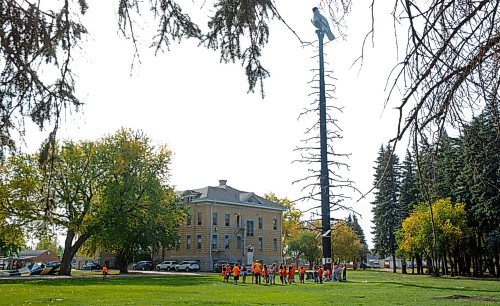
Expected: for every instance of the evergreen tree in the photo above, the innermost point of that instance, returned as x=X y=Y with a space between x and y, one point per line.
x=385 y=206
x=409 y=194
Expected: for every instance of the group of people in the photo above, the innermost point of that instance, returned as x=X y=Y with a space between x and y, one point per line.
x=261 y=273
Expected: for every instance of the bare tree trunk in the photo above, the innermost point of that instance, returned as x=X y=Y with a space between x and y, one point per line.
x=70 y=250
x=393 y=263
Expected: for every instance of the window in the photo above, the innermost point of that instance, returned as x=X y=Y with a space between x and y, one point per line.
x=199 y=218
x=239 y=242
x=275 y=244
x=188 y=242
x=226 y=240
x=260 y=222
x=188 y=220
x=214 y=242
x=260 y=243
x=275 y=224
x=226 y=220
x=198 y=241
x=249 y=227
x=214 y=218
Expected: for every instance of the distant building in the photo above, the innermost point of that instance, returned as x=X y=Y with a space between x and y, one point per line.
x=226 y=224
x=28 y=257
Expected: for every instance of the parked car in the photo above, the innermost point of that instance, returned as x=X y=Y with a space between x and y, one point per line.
x=187 y=266
x=143 y=265
x=91 y=266
x=166 y=265
x=365 y=265
x=218 y=265
x=376 y=264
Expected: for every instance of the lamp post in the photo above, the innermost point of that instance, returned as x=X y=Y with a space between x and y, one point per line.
x=322 y=28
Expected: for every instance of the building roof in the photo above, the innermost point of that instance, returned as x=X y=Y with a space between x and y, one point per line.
x=33 y=253
x=225 y=194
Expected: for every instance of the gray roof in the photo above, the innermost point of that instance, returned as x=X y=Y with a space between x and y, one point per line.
x=31 y=253
x=229 y=195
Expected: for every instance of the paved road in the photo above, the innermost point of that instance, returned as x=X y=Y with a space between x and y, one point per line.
x=112 y=275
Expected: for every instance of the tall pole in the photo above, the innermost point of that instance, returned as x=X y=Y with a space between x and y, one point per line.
x=324 y=181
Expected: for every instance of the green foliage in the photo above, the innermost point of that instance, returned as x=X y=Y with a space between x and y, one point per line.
x=346 y=244
x=362 y=288
x=138 y=209
x=307 y=245
x=450 y=226
x=386 y=211
x=290 y=220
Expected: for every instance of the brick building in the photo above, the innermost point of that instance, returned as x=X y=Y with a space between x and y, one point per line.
x=226 y=224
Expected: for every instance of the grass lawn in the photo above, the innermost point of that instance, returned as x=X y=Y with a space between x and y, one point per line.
x=362 y=288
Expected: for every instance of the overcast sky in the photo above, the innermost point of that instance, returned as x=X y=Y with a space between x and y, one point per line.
x=200 y=108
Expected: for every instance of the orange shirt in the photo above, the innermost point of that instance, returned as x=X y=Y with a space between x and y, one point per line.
x=104 y=269
x=257 y=268
x=228 y=269
x=236 y=270
x=302 y=271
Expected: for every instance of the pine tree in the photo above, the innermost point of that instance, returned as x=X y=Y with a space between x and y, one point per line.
x=386 y=209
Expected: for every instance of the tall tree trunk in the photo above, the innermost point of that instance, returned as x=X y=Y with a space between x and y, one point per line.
x=70 y=250
x=412 y=265
x=393 y=263
x=497 y=265
x=123 y=261
x=403 y=266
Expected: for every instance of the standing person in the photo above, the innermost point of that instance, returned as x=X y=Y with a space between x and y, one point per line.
x=236 y=273
x=244 y=273
x=344 y=273
x=315 y=274
x=336 y=276
x=265 y=274
x=328 y=274
x=104 y=272
x=223 y=273
x=228 y=273
x=282 y=274
x=302 y=273
x=290 y=274
x=320 y=274
x=257 y=271
x=272 y=274
x=293 y=274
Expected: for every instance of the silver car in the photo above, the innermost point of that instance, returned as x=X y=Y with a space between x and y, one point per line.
x=167 y=265
x=187 y=266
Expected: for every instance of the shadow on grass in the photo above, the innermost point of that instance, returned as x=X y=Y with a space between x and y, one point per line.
x=437 y=287
x=176 y=281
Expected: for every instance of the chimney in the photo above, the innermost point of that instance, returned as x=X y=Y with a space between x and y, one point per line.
x=222 y=183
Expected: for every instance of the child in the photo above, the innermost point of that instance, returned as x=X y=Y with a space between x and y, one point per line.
x=265 y=273
x=272 y=274
x=236 y=273
x=228 y=273
x=282 y=272
x=290 y=274
x=320 y=274
x=223 y=273
x=244 y=273
x=315 y=274
x=104 y=272
x=302 y=273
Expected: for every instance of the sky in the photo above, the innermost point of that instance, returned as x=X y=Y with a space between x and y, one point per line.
x=200 y=108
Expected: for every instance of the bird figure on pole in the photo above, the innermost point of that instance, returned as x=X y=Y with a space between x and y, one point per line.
x=321 y=23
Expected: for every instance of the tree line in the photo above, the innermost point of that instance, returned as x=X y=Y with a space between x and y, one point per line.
x=111 y=194
x=441 y=205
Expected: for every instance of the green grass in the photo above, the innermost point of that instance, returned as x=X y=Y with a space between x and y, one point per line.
x=362 y=288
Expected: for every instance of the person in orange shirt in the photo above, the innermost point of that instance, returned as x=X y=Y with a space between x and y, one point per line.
x=104 y=272
x=302 y=273
x=257 y=271
x=228 y=273
x=289 y=276
x=282 y=272
x=320 y=274
x=236 y=273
